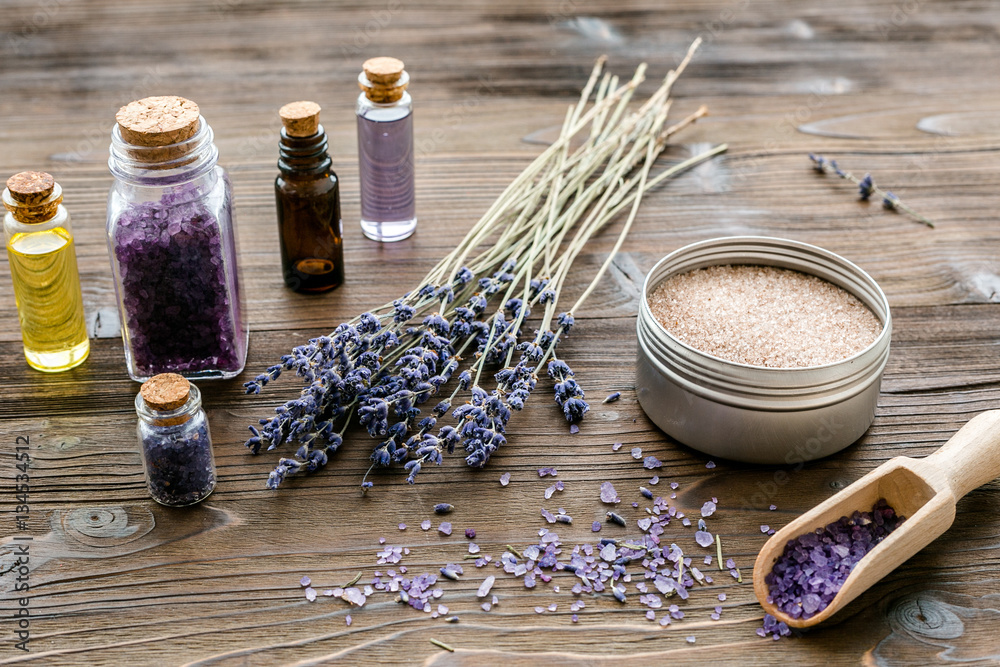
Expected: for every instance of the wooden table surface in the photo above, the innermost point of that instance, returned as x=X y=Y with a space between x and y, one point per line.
x=904 y=89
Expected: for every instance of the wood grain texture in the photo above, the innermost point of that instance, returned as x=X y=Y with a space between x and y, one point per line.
x=900 y=89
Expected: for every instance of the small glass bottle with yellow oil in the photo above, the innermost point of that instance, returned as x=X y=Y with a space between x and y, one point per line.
x=43 y=269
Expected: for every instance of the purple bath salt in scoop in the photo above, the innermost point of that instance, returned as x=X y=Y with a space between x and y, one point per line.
x=824 y=559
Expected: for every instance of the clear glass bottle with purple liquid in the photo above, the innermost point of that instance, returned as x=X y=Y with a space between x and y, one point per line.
x=385 y=151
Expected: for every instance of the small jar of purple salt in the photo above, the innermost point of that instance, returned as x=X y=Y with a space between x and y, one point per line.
x=175 y=441
x=172 y=241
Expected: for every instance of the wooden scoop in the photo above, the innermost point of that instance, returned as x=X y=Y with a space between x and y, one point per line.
x=924 y=491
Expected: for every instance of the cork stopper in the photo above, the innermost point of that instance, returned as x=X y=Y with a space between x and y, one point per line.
x=383 y=79
x=301 y=119
x=165 y=392
x=383 y=70
x=32 y=197
x=158 y=121
x=31 y=187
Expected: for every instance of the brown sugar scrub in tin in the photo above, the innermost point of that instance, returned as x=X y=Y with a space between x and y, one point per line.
x=764 y=316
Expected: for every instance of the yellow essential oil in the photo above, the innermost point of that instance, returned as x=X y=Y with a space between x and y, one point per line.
x=44 y=272
x=49 y=301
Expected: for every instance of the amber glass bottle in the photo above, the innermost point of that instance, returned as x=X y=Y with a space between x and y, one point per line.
x=308 y=198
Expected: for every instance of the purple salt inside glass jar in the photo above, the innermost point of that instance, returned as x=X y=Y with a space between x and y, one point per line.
x=175 y=441
x=172 y=242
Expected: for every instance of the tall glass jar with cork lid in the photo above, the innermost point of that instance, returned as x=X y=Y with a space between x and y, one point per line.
x=172 y=241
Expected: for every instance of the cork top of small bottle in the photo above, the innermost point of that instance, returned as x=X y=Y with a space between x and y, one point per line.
x=165 y=392
x=301 y=119
x=32 y=196
x=383 y=79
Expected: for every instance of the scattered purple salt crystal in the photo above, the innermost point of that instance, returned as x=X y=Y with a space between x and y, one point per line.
x=722 y=597
x=764 y=528
x=574 y=429
x=443 y=508
x=773 y=627
x=470 y=533
x=608 y=493
x=425 y=524
x=690 y=639
x=442 y=610
x=615 y=447
x=651 y=462
x=710 y=465
x=664 y=621
x=773 y=507
x=686 y=521
x=770 y=531
x=354 y=596
x=651 y=615
x=596 y=527
x=402 y=526
x=505 y=479
x=674 y=485
x=305 y=580
x=704 y=538
x=634 y=504
x=549 y=491
x=486 y=586
x=574 y=618
x=473 y=548
x=328 y=592
x=539 y=610
x=495 y=600
x=549 y=516
x=730 y=563
x=708 y=559
x=553 y=606
x=542 y=472
x=310 y=593
x=347 y=620
x=708 y=509
x=445 y=528
x=486 y=606
x=654 y=480
x=637 y=453
x=560 y=486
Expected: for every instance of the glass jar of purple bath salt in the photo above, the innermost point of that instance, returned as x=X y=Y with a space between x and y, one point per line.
x=172 y=241
x=175 y=441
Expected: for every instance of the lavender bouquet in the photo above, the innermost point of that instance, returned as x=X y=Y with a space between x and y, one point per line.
x=380 y=367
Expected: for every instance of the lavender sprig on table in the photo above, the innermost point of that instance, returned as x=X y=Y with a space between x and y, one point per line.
x=384 y=364
x=866 y=187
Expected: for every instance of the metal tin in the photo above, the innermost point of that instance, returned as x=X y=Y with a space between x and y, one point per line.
x=752 y=413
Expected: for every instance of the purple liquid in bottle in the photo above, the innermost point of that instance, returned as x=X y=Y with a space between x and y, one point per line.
x=385 y=156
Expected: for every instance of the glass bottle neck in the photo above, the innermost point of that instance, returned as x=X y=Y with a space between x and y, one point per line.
x=163 y=166
x=304 y=156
